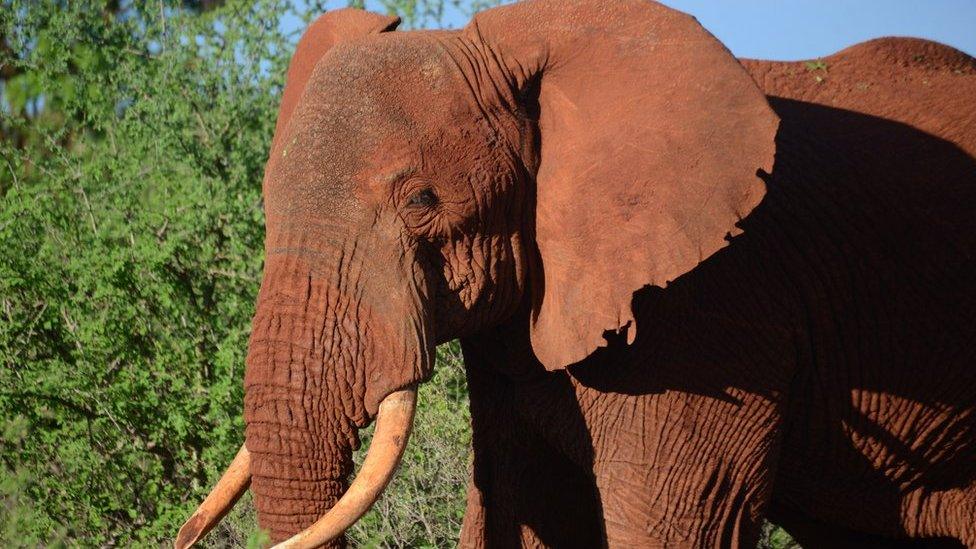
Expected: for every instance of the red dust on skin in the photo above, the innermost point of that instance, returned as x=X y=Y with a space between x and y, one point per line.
x=558 y=185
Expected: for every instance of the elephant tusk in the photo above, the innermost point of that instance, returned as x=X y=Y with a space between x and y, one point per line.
x=394 y=420
x=229 y=488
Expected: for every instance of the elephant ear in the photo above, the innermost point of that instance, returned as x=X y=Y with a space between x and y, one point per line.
x=651 y=136
x=325 y=32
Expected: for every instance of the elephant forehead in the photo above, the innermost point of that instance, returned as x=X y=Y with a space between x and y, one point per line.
x=386 y=83
x=366 y=105
x=382 y=65
x=315 y=166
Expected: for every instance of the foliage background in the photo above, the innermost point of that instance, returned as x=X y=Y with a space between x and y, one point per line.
x=132 y=142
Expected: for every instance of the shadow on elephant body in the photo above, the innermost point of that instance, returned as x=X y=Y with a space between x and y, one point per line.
x=882 y=214
x=813 y=534
x=849 y=284
x=531 y=469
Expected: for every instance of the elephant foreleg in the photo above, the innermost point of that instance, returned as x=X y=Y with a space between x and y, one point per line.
x=523 y=491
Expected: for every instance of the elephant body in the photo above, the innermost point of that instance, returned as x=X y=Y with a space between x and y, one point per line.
x=820 y=371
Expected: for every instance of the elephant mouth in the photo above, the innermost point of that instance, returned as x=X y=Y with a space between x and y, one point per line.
x=394 y=421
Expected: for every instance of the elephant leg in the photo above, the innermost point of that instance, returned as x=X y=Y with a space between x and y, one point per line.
x=621 y=451
x=530 y=510
x=523 y=491
x=685 y=493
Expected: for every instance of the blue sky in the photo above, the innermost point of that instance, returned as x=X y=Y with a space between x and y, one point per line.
x=804 y=29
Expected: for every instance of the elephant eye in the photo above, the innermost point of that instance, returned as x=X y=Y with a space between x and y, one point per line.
x=425 y=198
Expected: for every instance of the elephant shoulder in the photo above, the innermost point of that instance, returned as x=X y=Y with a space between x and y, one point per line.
x=917 y=82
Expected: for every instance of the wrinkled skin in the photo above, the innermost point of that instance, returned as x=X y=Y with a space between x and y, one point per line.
x=637 y=378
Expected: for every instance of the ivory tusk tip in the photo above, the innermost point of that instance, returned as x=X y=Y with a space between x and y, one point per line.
x=231 y=485
x=190 y=532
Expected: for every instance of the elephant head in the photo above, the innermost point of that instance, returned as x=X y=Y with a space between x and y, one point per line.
x=548 y=160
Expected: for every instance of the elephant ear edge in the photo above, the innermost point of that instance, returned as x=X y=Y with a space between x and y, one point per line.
x=323 y=34
x=652 y=140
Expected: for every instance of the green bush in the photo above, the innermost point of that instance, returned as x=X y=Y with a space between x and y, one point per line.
x=134 y=137
x=130 y=253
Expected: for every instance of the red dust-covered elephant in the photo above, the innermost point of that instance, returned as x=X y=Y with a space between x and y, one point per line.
x=692 y=292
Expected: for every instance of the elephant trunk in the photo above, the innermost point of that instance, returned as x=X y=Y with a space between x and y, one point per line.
x=319 y=366
x=291 y=494
x=323 y=361
x=393 y=425
x=301 y=391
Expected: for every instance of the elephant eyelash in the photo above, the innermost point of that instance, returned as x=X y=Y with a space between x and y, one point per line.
x=423 y=199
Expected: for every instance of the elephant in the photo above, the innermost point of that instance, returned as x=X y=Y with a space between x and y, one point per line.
x=692 y=291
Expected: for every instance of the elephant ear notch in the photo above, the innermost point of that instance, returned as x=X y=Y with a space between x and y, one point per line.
x=325 y=32
x=651 y=138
